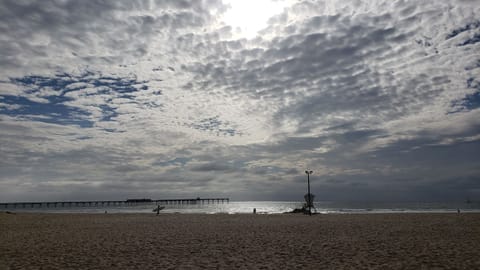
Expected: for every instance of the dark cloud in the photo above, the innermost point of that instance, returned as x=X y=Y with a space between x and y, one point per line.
x=212 y=167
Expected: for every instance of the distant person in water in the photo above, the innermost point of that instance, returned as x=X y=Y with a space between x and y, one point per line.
x=458 y=210
x=254 y=210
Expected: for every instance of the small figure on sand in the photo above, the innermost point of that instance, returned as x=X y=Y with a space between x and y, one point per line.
x=458 y=210
x=158 y=208
x=254 y=210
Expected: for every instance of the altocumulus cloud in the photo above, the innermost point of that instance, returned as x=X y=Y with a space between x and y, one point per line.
x=116 y=99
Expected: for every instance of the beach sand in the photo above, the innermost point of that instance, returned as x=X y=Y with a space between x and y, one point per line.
x=243 y=241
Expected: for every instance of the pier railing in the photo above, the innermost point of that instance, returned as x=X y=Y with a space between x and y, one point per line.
x=128 y=202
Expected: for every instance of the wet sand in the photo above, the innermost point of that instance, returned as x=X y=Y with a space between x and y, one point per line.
x=196 y=241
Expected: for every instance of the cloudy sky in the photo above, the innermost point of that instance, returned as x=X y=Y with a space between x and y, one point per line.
x=167 y=99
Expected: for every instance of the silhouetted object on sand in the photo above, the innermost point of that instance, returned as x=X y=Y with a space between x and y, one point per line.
x=158 y=208
x=304 y=210
x=309 y=196
x=309 y=202
x=307 y=206
x=254 y=210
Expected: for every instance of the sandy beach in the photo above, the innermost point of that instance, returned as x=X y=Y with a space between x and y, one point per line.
x=220 y=241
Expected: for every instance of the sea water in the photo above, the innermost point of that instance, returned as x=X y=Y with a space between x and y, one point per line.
x=266 y=207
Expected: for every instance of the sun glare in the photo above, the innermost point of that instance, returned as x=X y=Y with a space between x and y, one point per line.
x=247 y=17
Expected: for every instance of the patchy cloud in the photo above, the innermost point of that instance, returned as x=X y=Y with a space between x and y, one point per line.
x=181 y=98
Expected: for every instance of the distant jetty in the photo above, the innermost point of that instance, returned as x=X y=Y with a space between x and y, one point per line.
x=139 y=200
x=127 y=202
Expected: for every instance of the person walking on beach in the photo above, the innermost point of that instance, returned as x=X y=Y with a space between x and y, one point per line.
x=254 y=210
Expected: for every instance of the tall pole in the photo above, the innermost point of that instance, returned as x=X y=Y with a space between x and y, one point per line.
x=309 y=196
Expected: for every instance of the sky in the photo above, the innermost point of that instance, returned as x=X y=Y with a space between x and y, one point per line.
x=178 y=99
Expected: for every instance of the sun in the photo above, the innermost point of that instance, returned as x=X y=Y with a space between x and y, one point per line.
x=247 y=17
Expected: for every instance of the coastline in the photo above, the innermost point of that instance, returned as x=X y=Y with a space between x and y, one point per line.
x=231 y=241
x=270 y=207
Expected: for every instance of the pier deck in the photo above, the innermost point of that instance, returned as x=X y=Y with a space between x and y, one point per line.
x=128 y=202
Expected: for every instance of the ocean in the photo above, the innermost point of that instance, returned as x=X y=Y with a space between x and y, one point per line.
x=265 y=207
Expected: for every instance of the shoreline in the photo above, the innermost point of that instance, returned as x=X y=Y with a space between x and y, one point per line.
x=269 y=207
x=329 y=212
x=452 y=212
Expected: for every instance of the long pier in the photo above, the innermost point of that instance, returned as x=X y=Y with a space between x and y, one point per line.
x=128 y=202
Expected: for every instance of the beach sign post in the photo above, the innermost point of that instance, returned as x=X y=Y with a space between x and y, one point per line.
x=308 y=197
